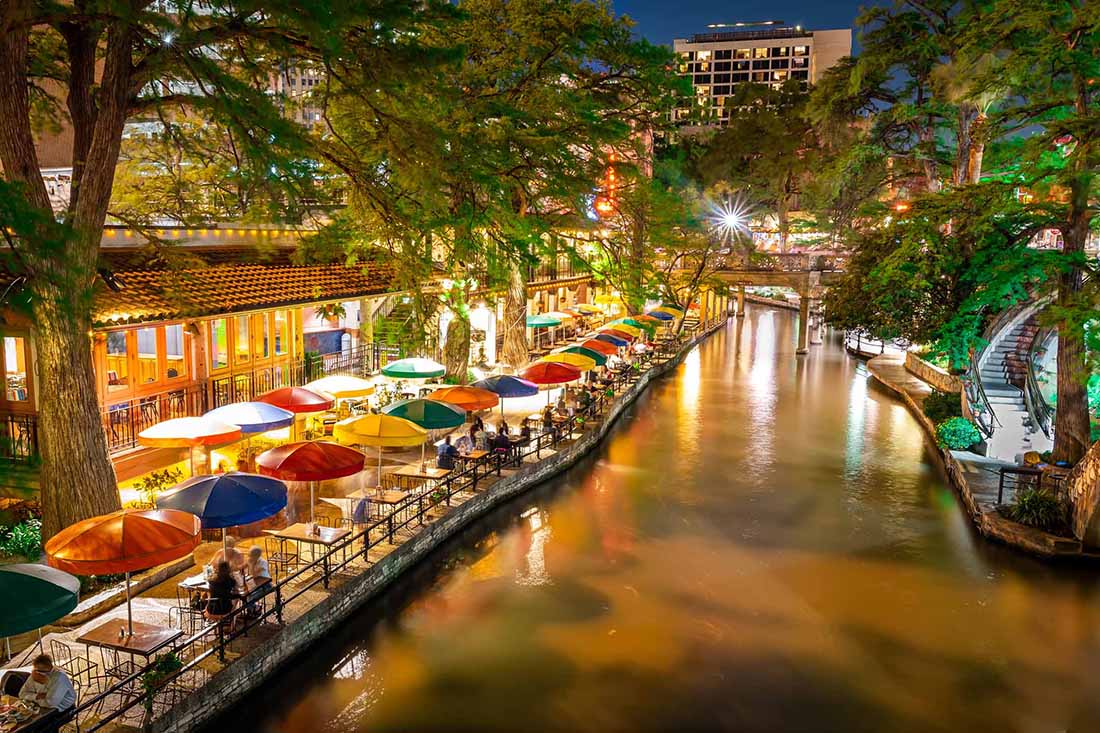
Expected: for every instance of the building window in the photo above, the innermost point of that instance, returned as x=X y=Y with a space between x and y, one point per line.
x=16 y=382
x=779 y=51
x=219 y=344
x=742 y=65
x=702 y=78
x=760 y=65
x=174 y=359
x=760 y=76
x=722 y=66
x=723 y=53
x=281 y=335
x=118 y=361
x=241 y=349
x=721 y=91
x=760 y=53
x=801 y=50
x=148 y=357
x=801 y=63
x=721 y=79
x=742 y=53
x=804 y=74
x=779 y=75
x=781 y=64
x=263 y=336
x=703 y=56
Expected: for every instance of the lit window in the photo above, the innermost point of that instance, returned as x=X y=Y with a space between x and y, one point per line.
x=241 y=342
x=801 y=50
x=219 y=344
x=263 y=336
x=703 y=56
x=280 y=333
x=174 y=360
x=15 y=369
x=147 y=356
x=760 y=53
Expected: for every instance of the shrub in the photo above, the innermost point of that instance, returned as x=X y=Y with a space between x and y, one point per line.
x=940 y=406
x=957 y=433
x=1037 y=508
x=23 y=540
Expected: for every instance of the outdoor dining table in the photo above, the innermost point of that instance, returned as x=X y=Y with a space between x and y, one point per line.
x=411 y=476
x=27 y=724
x=146 y=639
x=379 y=497
x=325 y=537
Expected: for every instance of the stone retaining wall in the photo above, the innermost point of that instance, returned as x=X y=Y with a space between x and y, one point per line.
x=762 y=300
x=248 y=674
x=1084 y=491
x=932 y=374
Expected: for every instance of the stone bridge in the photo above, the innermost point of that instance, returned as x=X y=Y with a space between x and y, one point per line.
x=808 y=274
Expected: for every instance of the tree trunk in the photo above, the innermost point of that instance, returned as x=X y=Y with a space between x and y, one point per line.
x=1071 y=420
x=783 y=216
x=515 y=352
x=456 y=354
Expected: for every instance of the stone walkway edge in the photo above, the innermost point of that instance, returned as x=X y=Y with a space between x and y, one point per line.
x=248 y=673
x=889 y=371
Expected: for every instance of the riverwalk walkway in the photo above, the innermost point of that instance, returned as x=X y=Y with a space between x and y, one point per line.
x=222 y=661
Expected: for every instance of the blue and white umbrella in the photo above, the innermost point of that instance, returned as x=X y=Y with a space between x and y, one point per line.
x=253 y=417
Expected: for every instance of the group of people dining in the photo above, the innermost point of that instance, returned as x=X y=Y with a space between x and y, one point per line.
x=478 y=438
x=232 y=578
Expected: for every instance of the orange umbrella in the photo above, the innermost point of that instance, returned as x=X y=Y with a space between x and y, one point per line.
x=601 y=346
x=297 y=399
x=122 y=542
x=188 y=432
x=551 y=372
x=648 y=319
x=468 y=398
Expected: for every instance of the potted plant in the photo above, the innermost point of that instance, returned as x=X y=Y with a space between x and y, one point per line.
x=163 y=668
x=957 y=433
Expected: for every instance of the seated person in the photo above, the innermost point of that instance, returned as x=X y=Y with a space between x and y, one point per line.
x=464 y=444
x=223 y=591
x=501 y=443
x=230 y=555
x=504 y=427
x=584 y=399
x=481 y=439
x=48 y=687
x=524 y=433
x=548 y=418
x=445 y=456
x=256 y=569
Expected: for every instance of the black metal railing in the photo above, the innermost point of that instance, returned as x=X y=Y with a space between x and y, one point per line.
x=18 y=438
x=213 y=639
x=1013 y=479
x=1039 y=410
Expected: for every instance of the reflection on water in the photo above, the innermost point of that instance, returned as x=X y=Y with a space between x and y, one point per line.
x=764 y=544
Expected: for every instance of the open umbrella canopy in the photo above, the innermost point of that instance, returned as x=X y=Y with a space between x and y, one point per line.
x=297 y=399
x=227 y=500
x=188 y=432
x=414 y=368
x=606 y=299
x=542 y=321
x=671 y=307
x=608 y=338
x=35 y=595
x=579 y=361
x=597 y=356
x=634 y=322
x=634 y=331
x=382 y=431
x=602 y=347
x=124 y=541
x=468 y=398
x=661 y=315
x=428 y=414
x=619 y=333
x=586 y=308
x=341 y=386
x=550 y=372
x=559 y=315
x=507 y=386
x=646 y=318
x=252 y=417
x=317 y=460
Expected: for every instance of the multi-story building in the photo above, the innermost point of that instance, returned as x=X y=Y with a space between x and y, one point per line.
x=768 y=52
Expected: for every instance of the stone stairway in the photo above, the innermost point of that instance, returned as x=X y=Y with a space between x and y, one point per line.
x=1003 y=375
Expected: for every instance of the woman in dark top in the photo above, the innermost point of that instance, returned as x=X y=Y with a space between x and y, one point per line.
x=223 y=590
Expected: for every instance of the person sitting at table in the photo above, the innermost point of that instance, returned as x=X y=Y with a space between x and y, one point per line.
x=501 y=443
x=464 y=444
x=256 y=569
x=222 y=593
x=503 y=427
x=481 y=438
x=445 y=457
x=229 y=554
x=584 y=399
x=548 y=418
x=48 y=687
x=524 y=434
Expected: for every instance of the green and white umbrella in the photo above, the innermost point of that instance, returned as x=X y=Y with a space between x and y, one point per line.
x=414 y=368
x=34 y=595
x=542 y=321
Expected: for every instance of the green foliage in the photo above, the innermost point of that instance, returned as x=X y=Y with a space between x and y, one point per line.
x=163 y=668
x=957 y=433
x=155 y=482
x=22 y=540
x=1039 y=509
x=941 y=406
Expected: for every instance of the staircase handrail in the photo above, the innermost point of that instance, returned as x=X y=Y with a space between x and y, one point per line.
x=980 y=408
x=1039 y=410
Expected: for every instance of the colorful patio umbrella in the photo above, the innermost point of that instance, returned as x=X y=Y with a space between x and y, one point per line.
x=559 y=315
x=581 y=362
x=227 y=500
x=595 y=355
x=122 y=542
x=608 y=338
x=634 y=322
x=36 y=595
x=646 y=318
x=586 y=308
x=542 y=321
x=252 y=417
x=602 y=347
x=428 y=414
x=624 y=327
x=312 y=461
x=341 y=386
x=190 y=433
x=381 y=431
x=467 y=397
x=661 y=315
x=671 y=307
x=618 y=333
x=507 y=386
x=297 y=399
x=549 y=372
x=414 y=368
x=606 y=299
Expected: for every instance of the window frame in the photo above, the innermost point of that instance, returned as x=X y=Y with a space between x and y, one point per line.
x=18 y=406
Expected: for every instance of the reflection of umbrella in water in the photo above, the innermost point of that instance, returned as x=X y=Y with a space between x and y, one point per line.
x=188 y=432
x=310 y=461
x=44 y=595
x=226 y=500
x=123 y=542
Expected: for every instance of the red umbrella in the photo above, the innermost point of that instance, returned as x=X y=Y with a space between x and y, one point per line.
x=550 y=372
x=617 y=334
x=601 y=346
x=297 y=399
x=310 y=461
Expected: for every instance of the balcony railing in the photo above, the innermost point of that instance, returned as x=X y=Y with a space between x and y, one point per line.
x=18 y=438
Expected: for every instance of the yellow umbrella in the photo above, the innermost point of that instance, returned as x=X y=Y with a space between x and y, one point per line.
x=580 y=361
x=605 y=299
x=625 y=328
x=341 y=386
x=669 y=309
x=382 y=431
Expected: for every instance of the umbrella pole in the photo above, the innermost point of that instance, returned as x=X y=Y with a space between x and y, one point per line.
x=311 y=483
x=379 y=466
x=129 y=610
x=7 y=647
x=223 y=545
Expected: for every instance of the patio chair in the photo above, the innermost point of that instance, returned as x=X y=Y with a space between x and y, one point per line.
x=78 y=666
x=280 y=558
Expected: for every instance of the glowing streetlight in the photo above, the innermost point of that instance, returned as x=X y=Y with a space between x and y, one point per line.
x=729 y=220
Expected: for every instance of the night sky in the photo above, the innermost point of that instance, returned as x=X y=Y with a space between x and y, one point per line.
x=662 y=20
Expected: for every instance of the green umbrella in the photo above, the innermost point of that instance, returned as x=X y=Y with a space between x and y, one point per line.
x=428 y=414
x=644 y=325
x=592 y=354
x=542 y=322
x=414 y=368
x=35 y=595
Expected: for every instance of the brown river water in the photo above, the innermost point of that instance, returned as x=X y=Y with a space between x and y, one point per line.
x=764 y=543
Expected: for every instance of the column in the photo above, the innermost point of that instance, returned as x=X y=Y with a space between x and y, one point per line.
x=741 y=301
x=803 y=324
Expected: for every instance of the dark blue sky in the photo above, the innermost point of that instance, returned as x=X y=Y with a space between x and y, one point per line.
x=662 y=20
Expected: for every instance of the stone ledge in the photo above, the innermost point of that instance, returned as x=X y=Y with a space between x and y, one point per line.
x=931 y=374
x=114 y=596
x=248 y=673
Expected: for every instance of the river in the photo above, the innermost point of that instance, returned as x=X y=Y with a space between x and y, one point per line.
x=764 y=543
